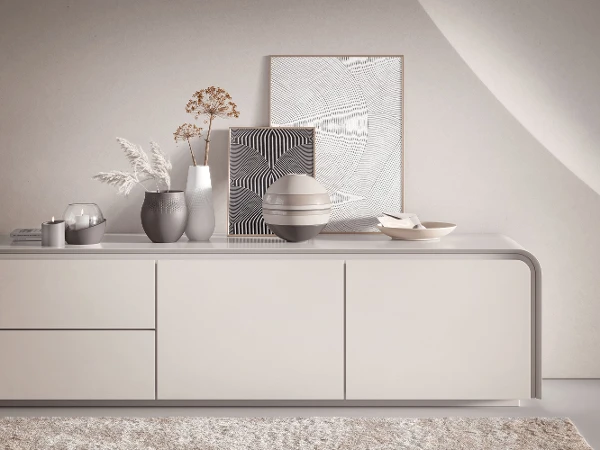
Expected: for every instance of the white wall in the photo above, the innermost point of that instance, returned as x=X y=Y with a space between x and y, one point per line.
x=75 y=74
x=541 y=60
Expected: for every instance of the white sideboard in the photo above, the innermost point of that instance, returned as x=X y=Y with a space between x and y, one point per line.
x=338 y=320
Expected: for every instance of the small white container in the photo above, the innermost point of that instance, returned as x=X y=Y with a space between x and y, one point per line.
x=53 y=233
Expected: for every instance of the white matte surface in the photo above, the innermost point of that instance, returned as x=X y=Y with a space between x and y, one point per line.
x=77 y=365
x=529 y=35
x=242 y=330
x=209 y=290
x=76 y=294
x=322 y=244
x=438 y=330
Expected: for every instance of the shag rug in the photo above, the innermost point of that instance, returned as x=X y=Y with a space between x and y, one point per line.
x=196 y=433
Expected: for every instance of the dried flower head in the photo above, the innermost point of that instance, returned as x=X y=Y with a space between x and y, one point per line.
x=212 y=102
x=186 y=132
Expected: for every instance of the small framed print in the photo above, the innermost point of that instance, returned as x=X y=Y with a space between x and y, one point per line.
x=259 y=156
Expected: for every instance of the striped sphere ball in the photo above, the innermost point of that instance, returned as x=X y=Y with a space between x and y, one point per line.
x=296 y=207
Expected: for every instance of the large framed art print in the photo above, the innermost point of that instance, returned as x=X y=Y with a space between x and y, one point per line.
x=355 y=104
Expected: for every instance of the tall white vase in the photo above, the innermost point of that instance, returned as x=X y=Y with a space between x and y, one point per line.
x=198 y=197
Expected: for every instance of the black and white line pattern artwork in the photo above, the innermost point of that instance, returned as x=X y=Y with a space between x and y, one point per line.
x=257 y=158
x=356 y=107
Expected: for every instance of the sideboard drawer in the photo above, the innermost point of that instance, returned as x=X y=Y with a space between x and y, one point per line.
x=77 y=294
x=77 y=365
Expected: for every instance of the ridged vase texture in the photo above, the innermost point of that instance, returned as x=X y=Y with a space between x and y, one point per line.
x=201 y=212
x=164 y=216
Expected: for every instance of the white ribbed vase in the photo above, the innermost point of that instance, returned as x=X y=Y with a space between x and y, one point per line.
x=198 y=198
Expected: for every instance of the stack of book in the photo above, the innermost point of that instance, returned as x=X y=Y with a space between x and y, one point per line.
x=26 y=234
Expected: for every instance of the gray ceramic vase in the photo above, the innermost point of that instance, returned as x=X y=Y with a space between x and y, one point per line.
x=164 y=216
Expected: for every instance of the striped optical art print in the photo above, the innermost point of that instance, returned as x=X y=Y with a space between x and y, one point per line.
x=355 y=104
x=257 y=158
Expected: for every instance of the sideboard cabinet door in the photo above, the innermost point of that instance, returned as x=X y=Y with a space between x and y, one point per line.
x=250 y=329
x=438 y=329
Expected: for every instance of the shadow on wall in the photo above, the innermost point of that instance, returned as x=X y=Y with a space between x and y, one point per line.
x=538 y=59
x=263 y=101
x=219 y=172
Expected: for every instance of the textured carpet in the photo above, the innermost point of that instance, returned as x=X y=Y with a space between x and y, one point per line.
x=193 y=433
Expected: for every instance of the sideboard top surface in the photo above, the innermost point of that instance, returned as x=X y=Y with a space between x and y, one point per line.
x=323 y=244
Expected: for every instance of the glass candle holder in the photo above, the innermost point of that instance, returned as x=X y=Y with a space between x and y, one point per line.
x=79 y=216
x=84 y=224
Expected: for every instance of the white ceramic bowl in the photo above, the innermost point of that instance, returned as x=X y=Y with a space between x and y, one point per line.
x=433 y=230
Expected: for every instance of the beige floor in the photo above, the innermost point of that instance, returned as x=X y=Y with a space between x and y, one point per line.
x=576 y=399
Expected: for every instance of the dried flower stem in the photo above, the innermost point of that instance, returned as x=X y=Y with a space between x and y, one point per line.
x=207 y=146
x=192 y=152
x=186 y=132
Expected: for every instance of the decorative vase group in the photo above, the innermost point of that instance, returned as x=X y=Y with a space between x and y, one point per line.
x=296 y=207
x=166 y=215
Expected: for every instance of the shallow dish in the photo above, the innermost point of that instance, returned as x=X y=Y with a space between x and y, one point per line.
x=433 y=230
